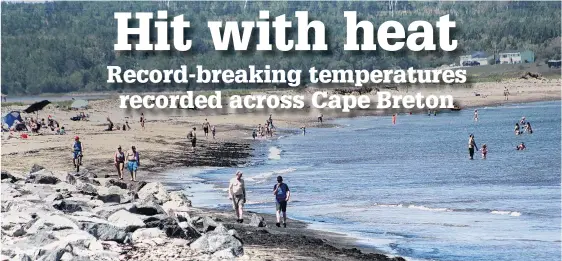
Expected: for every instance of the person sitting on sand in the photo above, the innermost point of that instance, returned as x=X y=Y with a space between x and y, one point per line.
x=517 y=129
x=237 y=193
x=471 y=146
x=282 y=196
x=484 y=151
x=528 y=128
x=521 y=146
x=119 y=161
x=77 y=152
x=61 y=131
x=133 y=162
x=109 y=125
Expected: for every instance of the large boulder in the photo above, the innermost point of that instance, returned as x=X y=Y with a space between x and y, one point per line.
x=257 y=221
x=147 y=233
x=113 y=194
x=209 y=224
x=178 y=202
x=106 y=211
x=42 y=177
x=115 y=182
x=36 y=168
x=6 y=176
x=51 y=222
x=105 y=231
x=124 y=218
x=70 y=206
x=86 y=189
x=147 y=206
x=155 y=189
x=136 y=186
x=218 y=241
x=173 y=229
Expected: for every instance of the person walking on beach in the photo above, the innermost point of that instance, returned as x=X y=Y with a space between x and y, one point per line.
x=282 y=196
x=475 y=115
x=133 y=162
x=77 y=152
x=206 y=126
x=320 y=116
x=471 y=146
x=506 y=93
x=142 y=120
x=119 y=161
x=237 y=193
x=192 y=136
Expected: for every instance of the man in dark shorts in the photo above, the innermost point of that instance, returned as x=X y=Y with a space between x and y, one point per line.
x=206 y=126
x=193 y=138
x=282 y=195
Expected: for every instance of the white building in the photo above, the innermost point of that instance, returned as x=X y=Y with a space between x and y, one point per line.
x=513 y=57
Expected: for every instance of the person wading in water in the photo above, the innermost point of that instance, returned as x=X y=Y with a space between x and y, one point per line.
x=471 y=146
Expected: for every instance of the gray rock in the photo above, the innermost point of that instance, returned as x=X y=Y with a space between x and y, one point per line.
x=124 y=218
x=56 y=254
x=155 y=189
x=21 y=257
x=147 y=207
x=70 y=179
x=42 y=177
x=11 y=177
x=136 y=186
x=114 y=194
x=173 y=229
x=257 y=221
x=115 y=182
x=86 y=189
x=70 y=206
x=89 y=180
x=51 y=223
x=209 y=224
x=105 y=231
x=147 y=233
x=105 y=211
x=36 y=168
x=213 y=242
x=154 y=220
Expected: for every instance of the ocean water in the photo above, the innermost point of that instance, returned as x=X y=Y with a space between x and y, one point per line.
x=409 y=189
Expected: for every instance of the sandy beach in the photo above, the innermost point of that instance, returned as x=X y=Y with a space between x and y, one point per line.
x=163 y=145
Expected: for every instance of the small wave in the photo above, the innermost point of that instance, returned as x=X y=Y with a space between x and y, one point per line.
x=509 y=213
x=389 y=205
x=430 y=209
x=263 y=177
x=274 y=153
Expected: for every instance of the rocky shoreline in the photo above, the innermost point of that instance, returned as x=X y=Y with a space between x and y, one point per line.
x=53 y=215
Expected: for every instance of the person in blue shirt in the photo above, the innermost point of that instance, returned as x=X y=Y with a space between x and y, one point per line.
x=282 y=195
x=77 y=151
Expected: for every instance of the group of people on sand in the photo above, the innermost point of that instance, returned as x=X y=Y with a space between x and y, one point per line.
x=192 y=135
x=264 y=131
x=518 y=131
x=237 y=193
x=35 y=125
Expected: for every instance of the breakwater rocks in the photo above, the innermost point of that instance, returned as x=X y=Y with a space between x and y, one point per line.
x=48 y=215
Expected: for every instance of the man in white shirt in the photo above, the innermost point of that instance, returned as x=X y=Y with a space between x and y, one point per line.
x=237 y=193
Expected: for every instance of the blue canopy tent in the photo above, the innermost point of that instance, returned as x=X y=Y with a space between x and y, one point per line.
x=10 y=118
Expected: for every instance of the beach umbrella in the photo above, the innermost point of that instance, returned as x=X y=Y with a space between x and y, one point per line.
x=36 y=106
x=79 y=104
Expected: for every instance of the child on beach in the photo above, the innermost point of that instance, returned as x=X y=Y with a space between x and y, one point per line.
x=77 y=152
x=484 y=151
x=213 y=131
